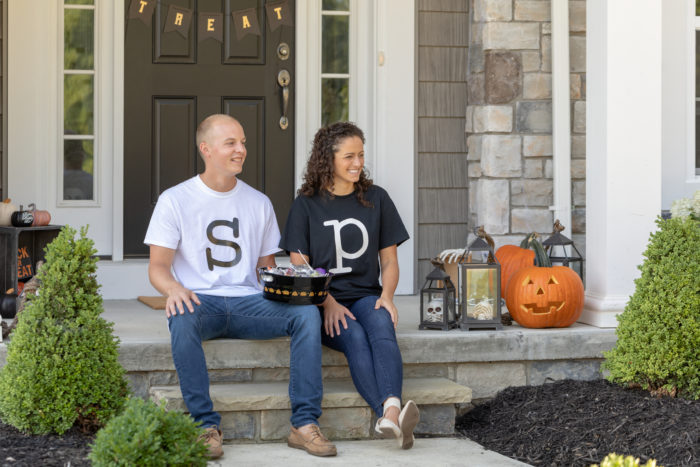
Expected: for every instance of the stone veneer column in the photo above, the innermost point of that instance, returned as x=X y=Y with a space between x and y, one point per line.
x=509 y=118
x=623 y=195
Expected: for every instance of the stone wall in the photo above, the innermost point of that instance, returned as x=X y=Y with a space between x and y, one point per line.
x=442 y=207
x=509 y=117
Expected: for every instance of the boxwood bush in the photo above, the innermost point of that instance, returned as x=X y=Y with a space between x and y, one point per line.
x=658 y=336
x=62 y=363
x=147 y=434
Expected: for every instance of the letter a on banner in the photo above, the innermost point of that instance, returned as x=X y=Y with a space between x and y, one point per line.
x=142 y=9
x=211 y=25
x=179 y=20
x=279 y=13
x=246 y=22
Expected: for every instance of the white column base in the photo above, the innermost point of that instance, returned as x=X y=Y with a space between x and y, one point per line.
x=599 y=318
x=601 y=311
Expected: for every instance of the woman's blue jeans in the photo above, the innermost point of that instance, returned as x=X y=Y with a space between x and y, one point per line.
x=250 y=317
x=373 y=355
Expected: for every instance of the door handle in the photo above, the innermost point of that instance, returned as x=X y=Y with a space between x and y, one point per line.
x=283 y=79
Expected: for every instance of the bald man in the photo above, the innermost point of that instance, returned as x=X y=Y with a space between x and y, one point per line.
x=207 y=237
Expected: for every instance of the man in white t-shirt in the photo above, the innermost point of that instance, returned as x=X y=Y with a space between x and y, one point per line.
x=207 y=236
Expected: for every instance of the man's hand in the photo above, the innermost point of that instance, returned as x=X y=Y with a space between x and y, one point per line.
x=333 y=315
x=390 y=307
x=180 y=298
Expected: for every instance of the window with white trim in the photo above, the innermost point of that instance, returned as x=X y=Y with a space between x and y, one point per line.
x=77 y=176
x=335 y=61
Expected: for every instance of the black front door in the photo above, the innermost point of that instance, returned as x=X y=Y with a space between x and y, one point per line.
x=172 y=83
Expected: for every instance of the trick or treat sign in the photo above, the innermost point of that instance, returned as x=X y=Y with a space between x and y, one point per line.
x=24 y=264
x=210 y=25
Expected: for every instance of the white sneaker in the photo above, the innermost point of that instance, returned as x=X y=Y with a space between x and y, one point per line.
x=387 y=428
x=408 y=419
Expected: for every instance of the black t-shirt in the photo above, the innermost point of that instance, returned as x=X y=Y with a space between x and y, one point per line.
x=344 y=237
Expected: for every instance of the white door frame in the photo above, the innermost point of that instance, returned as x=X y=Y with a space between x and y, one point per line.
x=382 y=102
x=34 y=99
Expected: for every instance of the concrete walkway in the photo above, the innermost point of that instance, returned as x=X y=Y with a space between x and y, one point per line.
x=380 y=453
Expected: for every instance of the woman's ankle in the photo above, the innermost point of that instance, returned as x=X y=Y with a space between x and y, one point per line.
x=392 y=413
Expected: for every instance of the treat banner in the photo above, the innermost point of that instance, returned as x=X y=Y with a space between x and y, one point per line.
x=210 y=25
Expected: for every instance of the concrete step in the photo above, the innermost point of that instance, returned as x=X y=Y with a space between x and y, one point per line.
x=260 y=411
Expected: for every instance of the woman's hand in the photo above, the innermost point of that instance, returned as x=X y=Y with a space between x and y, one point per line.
x=333 y=315
x=388 y=304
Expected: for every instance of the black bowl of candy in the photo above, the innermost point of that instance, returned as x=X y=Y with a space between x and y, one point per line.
x=297 y=285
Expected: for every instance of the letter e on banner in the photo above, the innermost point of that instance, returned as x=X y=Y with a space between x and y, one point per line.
x=210 y=26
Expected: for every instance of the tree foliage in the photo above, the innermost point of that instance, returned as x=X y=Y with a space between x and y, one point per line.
x=62 y=363
x=658 y=336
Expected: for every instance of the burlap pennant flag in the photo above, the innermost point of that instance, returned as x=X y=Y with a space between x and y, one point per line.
x=279 y=13
x=246 y=22
x=142 y=9
x=211 y=26
x=179 y=20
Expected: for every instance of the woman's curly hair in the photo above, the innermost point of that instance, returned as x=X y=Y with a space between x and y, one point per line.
x=318 y=177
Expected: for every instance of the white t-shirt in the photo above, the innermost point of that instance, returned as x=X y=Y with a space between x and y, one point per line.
x=217 y=237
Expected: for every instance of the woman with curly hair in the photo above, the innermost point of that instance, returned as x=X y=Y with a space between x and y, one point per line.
x=345 y=224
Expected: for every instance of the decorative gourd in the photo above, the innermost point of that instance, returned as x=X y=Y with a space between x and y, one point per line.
x=6 y=210
x=544 y=296
x=512 y=258
x=22 y=218
x=41 y=217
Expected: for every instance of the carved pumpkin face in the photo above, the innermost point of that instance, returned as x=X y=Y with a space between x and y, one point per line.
x=545 y=297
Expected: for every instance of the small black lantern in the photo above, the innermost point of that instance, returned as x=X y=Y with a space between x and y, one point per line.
x=438 y=302
x=480 y=277
x=562 y=251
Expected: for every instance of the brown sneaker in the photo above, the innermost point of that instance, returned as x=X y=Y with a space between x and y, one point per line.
x=310 y=439
x=212 y=439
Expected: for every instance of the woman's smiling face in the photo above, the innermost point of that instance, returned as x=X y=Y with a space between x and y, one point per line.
x=348 y=161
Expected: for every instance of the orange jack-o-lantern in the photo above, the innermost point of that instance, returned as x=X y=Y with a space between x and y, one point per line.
x=512 y=258
x=545 y=297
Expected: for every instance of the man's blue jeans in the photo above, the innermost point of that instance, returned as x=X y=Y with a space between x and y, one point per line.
x=373 y=355
x=251 y=317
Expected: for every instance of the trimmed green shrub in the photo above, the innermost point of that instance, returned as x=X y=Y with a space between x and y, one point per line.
x=617 y=460
x=147 y=434
x=658 y=336
x=62 y=363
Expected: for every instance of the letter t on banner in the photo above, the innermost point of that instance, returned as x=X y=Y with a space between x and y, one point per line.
x=211 y=25
x=179 y=20
x=279 y=13
x=142 y=9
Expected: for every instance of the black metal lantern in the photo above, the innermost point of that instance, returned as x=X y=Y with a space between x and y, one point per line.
x=562 y=251
x=438 y=302
x=480 y=277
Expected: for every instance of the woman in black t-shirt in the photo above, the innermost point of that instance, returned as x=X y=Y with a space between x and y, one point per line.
x=343 y=223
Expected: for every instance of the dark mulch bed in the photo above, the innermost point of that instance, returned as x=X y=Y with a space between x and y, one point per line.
x=578 y=423
x=572 y=423
x=18 y=449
